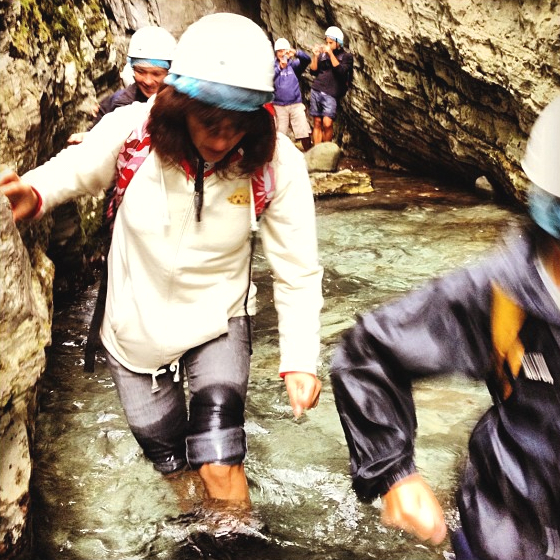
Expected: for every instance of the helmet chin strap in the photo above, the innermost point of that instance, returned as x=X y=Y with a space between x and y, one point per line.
x=199 y=188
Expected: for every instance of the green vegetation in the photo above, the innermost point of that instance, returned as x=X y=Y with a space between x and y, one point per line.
x=48 y=21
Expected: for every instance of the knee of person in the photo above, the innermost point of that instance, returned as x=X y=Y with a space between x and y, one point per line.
x=216 y=407
x=216 y=419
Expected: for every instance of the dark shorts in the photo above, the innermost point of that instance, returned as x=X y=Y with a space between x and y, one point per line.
x=209 y=429
x=322 y=104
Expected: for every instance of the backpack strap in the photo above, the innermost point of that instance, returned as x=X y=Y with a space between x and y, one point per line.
x=132 y=155
x=263 y=185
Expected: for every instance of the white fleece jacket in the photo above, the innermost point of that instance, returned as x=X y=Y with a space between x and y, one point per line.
x=174 y=282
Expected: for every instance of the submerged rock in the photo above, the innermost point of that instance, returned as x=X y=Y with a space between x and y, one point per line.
x=342 y=182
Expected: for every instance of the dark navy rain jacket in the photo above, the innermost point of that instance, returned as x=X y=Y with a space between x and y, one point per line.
x=496 y=322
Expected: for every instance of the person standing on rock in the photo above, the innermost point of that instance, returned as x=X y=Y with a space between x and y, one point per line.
x=197 y=166
x=332 y=67
x=288 y=106
x=498 y=322
x=150 y=53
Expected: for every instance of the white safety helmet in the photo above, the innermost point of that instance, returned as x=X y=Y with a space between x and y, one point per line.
x=282 y=44
x=226 y=49
x=152 y=42
x=335 y=33
x=542 y=156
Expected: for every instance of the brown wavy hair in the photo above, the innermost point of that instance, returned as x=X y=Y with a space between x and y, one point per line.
x=171 y=140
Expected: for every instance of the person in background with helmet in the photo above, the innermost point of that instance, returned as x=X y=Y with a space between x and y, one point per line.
x=179 y=294
x=288 y=106
x=498 y=322
x=150 y=52
x=332 y=67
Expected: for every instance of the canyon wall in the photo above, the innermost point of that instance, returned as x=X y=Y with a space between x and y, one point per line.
x=446 y=87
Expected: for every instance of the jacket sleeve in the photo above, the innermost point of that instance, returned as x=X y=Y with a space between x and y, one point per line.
x=106 y=106
x=89 y=167
x=120 y=98
x=289 y=238
x=303 y=60
x=442 y=328
x=342 y=71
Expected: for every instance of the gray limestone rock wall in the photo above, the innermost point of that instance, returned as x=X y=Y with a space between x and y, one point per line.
x=442 y=87
x=446 y=87
x=26 y=278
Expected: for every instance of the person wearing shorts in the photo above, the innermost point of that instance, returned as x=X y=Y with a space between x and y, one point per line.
x=288 y=106
x=332 y=67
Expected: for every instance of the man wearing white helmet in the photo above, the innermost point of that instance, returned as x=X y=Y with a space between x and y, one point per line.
x=288 y=106
x=196 y=166
x=498 y=322
x=150 y=52
x=332 y=67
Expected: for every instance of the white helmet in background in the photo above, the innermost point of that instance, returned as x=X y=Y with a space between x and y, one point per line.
x=542 y=156
x=282 y=44
x=153 y=43
x=226 y=49
x=335 y=33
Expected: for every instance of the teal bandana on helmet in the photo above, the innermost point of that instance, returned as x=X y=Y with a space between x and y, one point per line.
x=232 y=98
x=149 y=62
x=544 y=209
x=338 y=40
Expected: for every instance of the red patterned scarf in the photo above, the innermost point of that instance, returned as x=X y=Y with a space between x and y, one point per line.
x=136 y=149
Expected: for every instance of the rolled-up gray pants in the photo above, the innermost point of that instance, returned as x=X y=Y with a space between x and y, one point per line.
x=209 y=429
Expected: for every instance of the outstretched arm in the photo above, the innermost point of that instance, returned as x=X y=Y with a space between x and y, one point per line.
x=443 y=328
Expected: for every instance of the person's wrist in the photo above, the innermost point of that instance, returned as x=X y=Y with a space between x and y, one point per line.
x=38 y=203
x=284 y=373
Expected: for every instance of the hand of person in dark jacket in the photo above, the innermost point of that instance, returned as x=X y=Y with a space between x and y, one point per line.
x=411 y=505
x=303 y=390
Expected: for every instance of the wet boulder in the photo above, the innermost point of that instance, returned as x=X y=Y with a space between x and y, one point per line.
x=323 y=157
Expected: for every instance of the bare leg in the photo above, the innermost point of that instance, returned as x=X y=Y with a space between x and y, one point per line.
x=328 y=129
x=305 y=143
x=188 y=487
x=225 y=482
x=317 y=130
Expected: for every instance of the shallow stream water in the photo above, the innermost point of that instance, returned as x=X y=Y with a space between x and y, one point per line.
x=97 y=498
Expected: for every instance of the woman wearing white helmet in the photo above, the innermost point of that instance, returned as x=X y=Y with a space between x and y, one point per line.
x=498 y=322
x=201 y=164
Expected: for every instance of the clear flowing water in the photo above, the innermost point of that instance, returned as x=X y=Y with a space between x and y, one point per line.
x=97 y=498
